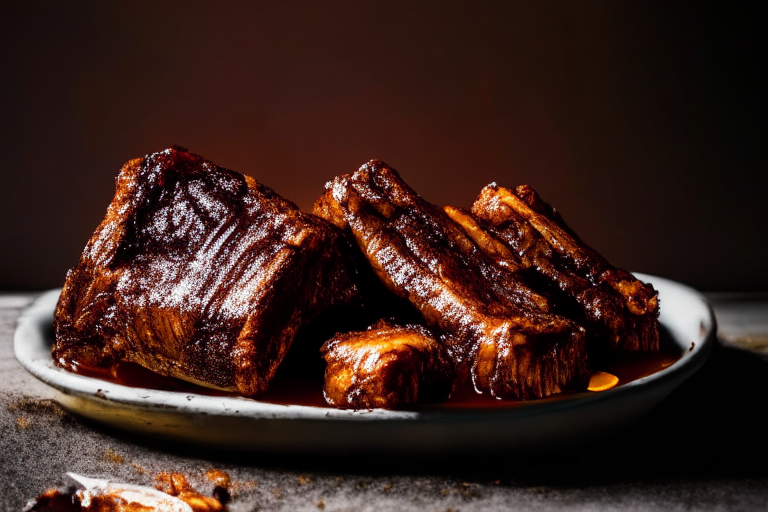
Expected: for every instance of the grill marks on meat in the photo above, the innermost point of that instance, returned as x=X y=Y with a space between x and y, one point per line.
x=386 y=366
x=496 y=329
x=199 y=273
x=619 y=311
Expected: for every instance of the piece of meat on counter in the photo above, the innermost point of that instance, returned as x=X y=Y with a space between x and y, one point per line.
x=619 y=311
x=386 y=366
x=497 y=330
x=173 y=494
x=199 y=273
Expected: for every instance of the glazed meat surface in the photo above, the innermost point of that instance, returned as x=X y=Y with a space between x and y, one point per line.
x=199 y=273
x=386 y=366
x=618 y=310
x=497 y=331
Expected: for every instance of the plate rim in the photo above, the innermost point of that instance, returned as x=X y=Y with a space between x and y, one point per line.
x=32 y=325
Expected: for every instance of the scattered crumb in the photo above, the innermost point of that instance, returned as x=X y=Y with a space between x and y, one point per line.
x=176 y=484
x=387 y=487
x=693 y=344
x=100 y=394
x=238 y=487
x=276 y=493
x=112 y=456
x=495 y=482
x=172 y=483
x=221 y=482
x=321 y=504
x=140 y=470
x=218 y=477
x=36 y=405
x=303 y=480
x=23 y=422
x=444 y=492
x=465 y=490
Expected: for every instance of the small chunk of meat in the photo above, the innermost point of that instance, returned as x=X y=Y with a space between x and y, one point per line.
x=385 y=367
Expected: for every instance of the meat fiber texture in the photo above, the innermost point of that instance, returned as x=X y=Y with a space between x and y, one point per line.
x=498 y=332
x=519 y=228
x=386 y=366
x=199 y=273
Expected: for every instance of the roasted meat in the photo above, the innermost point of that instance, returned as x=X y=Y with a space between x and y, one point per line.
x=199 y=273
x=497 y=331
x=519 y=228
x=386 y=366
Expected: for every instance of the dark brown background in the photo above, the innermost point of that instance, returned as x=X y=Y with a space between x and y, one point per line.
x=642 y=123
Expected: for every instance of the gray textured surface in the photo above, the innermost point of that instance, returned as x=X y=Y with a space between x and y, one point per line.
x=743 y=321
x=717 y=460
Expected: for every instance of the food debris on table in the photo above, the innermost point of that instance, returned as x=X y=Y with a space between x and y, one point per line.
x=174 y=493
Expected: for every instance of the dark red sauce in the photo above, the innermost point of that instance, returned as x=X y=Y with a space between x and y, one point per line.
x=627 y=366
x=306 y=387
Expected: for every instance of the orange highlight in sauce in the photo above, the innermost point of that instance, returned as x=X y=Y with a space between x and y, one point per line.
x=601 y=381
x=306 y=387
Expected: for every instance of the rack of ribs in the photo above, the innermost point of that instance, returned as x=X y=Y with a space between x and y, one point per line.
x=498 y=332
x=199 y=273
x=520 y=228
x=386 y=366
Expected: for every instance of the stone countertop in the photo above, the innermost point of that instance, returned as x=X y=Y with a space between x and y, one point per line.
x=720 y=463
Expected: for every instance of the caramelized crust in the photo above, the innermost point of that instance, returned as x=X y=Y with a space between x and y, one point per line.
x=496 y=329
x=618 y=310
x=199 y=273
x=385 y=367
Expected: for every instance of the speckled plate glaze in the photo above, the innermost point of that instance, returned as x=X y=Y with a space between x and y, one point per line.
x=242 y=423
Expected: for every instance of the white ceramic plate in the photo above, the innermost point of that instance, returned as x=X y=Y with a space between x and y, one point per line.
x=243 y=423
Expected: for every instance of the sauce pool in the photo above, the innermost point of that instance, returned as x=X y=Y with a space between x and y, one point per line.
x=306 y=387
